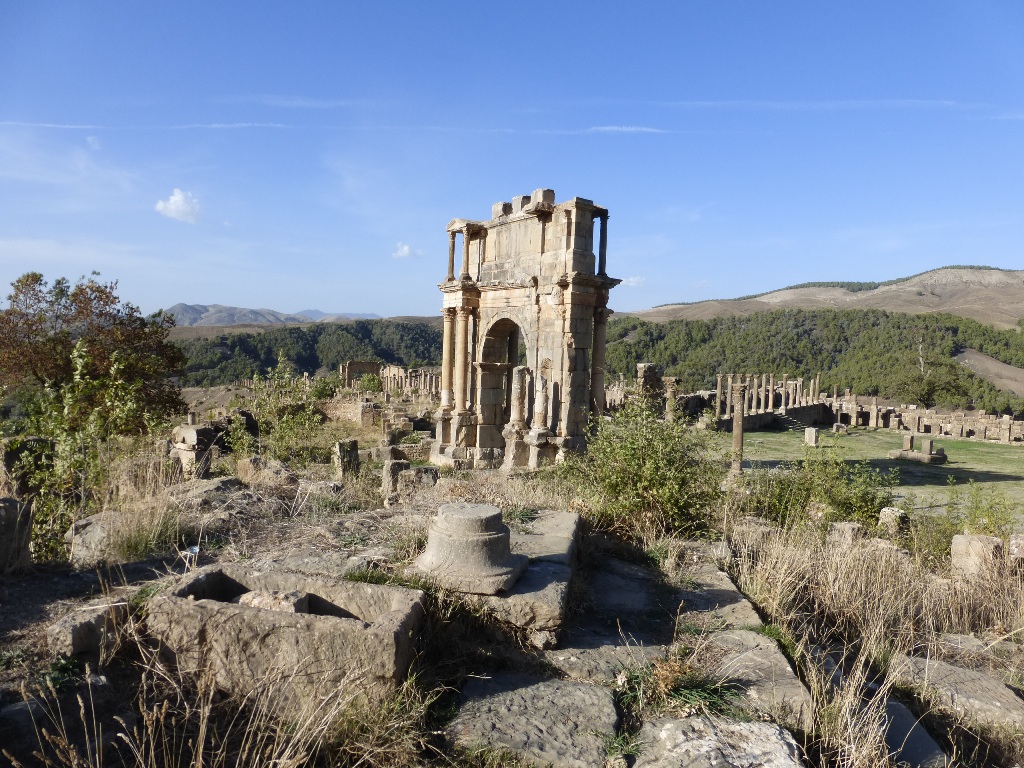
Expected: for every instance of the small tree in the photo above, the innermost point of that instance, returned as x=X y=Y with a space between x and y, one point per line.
x=43 y=324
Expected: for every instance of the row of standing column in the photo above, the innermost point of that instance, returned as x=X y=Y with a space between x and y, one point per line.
x=759 y=392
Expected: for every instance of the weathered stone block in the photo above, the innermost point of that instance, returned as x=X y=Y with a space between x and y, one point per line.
x=266 y=473
x=965 y=692
x=90 y=631
x=973 y=555
x=700 y=742
x=90 y=539
x=893 y=520
x=551 y=722
x=355 y=636
x=845 y=534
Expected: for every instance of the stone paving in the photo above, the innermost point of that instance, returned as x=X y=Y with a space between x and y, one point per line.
x=626 y=616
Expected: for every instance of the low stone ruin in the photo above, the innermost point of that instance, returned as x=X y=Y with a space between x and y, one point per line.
x=925 y=453
x=310 y=636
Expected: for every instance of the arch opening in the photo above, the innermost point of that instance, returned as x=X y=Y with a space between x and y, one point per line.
x=503 y=349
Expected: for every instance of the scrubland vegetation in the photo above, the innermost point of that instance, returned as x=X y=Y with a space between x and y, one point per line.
x=646 y=485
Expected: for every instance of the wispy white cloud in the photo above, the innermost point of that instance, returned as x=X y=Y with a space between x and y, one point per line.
x=59 y=126
x=824 y=105
x=29 y=158
x=634 y=282
x=181 y=206
x=221 y=126
x=625 y=129
x=291 y=102
x=93 y=142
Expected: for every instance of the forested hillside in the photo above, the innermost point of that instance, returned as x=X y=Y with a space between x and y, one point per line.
x=909 y=357
x=872 y=351
x=318 y=347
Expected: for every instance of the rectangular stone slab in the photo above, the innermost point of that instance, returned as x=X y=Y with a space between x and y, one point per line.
x=550 y=536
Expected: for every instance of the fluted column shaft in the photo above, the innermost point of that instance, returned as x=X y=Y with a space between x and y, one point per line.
x=461 y=356
x=447 y=357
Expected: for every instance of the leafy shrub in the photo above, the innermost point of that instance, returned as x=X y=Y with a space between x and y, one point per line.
x=290 y=421
x=849 y=491
x=370 y=382
x=65 y=470
x=644 y=477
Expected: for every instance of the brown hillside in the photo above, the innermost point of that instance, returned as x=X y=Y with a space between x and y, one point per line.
x=991 y=296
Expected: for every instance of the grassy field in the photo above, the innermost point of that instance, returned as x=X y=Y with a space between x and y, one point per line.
x=1000 y=465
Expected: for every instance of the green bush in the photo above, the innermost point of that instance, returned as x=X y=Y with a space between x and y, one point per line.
x=289 y=419
x=370 y=382
x=644 y=477
x=849 y=491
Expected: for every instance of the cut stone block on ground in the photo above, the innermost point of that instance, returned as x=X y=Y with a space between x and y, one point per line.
x=700 y=742
x=551 y=722
x=908 y=741
x=972 y=694
x=755 y=663
x=714 y=593
x=628 y=620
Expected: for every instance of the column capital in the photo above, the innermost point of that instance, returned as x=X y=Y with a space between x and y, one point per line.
x=464 y=311
x=448 y=312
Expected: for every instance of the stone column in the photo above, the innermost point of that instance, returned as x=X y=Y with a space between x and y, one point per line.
x=447 y=355
x=602 y=258
x=771 y=393
x=739 y=397
x=785 y=393
x=465 y=256
x=461 y=356
x=540 y=405
x=728 y=399
x=451 y=257
x=517 y=418
x=766 y=405
x=598 y=359
x=752 y=393
x=800 y=391
x=718 y=395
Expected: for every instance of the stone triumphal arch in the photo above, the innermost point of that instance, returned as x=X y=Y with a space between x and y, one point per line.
x=524 y=332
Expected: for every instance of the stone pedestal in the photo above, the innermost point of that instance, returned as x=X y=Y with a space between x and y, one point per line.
x=468 y=550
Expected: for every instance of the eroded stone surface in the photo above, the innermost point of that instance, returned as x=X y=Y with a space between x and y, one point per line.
x=973 y=694
x=699 y=742
x=757 y=665
x=552 y=722
x=536 y=602
x=88 y=631
x=908 y=741
x=550 y=536
x=973 y=555
x=90 y=539
x=715 y=594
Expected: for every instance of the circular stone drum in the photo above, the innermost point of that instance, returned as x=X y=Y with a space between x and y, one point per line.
x=468 y=550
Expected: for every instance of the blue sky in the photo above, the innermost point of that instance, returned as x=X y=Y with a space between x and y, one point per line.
x=309 y=155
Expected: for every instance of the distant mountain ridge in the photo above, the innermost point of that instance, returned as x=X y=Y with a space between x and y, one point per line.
x=221 y=315
x=989 y=295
